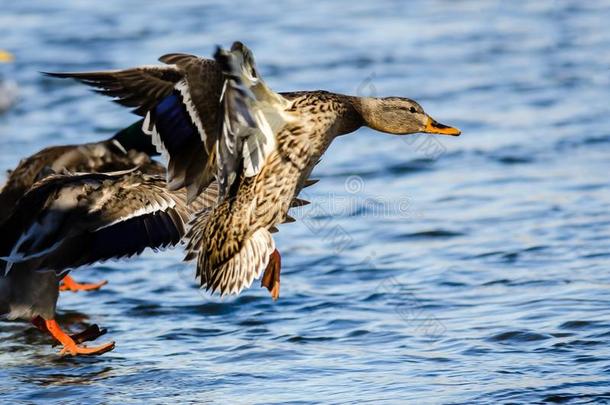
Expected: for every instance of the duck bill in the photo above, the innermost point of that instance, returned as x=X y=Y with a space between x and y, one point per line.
x=6 y=56
x=434 y=127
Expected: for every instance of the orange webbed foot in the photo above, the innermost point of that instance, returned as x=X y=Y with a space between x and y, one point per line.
x=69 y=284
x=78 y=350
x=70 y=346
x=91 y=333
x=271 y=277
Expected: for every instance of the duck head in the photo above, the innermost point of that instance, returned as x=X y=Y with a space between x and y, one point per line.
x=400 y=116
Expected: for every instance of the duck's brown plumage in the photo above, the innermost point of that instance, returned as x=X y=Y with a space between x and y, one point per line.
x=66 y=221
x=196 y=83
x=260 y=203
x=264 y=145
x=301 y=125
x=127 y=149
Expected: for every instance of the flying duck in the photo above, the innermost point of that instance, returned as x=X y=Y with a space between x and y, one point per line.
x=67 y=221
x=218 y=119
x=127 y=149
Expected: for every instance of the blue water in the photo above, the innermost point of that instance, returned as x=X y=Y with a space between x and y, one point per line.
x=470 y=270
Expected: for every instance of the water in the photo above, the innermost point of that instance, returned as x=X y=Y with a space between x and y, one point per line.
x=475 y=270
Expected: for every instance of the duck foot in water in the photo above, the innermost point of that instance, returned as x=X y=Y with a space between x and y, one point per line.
x=69 y=284
x=71 y=343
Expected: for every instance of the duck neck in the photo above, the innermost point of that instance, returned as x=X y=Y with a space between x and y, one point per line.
x=367 y=109
x=350 y=118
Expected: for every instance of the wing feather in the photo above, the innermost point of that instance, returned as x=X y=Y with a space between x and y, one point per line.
x=141 y=87
x=181 y=105
x=70 y=221
x=252 y=116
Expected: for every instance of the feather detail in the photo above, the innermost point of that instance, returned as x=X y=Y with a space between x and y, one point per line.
x=310 y=182
x=183 y=88
x=139 y=87
x=67 y=221
x=253 y=114
x=180 y=103
x=298 y=202
x=242 y=269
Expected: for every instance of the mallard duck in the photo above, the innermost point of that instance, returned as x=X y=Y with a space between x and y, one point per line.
x=8 y=88
x=127 y=149
x=260 y=145
x=67 y=221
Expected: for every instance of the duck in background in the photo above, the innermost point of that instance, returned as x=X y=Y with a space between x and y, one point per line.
x=8 y=88
x=67 y=221
x=127 y=149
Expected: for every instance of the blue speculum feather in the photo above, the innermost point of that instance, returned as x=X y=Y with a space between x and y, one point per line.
x=173 y=123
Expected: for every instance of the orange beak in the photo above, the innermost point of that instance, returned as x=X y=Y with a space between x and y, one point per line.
x=433 y=127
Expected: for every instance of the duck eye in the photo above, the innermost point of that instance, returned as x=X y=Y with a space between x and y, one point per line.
x=412 y=109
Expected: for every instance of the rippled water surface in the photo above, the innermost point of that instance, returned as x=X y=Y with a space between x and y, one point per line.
x=470 y=269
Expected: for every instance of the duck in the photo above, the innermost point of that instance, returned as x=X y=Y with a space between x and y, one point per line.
x=217 y=120
x=67 y=221
x=8 y=88
x=126 y=149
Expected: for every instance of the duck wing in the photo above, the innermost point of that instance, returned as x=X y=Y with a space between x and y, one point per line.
x=25 y=174
x=140 y=88
x=69 y=221
x=181 y=105
x=253 y=114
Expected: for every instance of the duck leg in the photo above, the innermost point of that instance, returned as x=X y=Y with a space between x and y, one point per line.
x=70 y=346
x=91 y=333
x=271 y=277
x=69 y=284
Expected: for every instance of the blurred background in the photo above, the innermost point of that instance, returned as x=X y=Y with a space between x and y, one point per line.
x=429 y=269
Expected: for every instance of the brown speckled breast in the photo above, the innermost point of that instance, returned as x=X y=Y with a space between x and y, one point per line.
x=263 y=201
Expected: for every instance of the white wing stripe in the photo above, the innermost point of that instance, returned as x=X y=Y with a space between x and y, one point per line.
x=183 y=88
x=149 y=209
x=150 y=129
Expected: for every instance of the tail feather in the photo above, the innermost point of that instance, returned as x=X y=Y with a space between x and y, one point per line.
x=200 y=209
x=195 y=234
x=243 y=268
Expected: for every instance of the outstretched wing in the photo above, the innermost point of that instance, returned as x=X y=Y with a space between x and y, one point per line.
x=252 y=116
x=69 y=221
x=181 y=105
x=141 y=87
